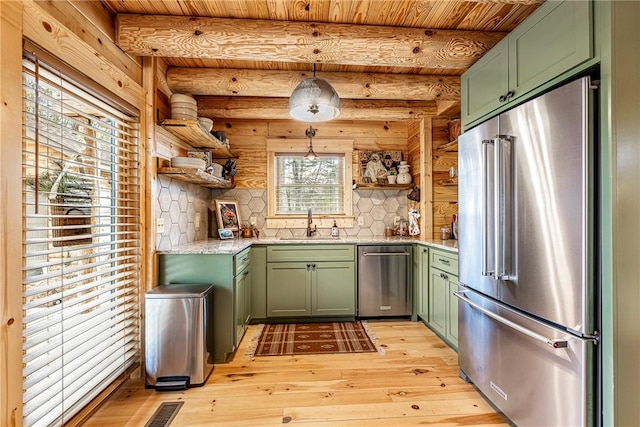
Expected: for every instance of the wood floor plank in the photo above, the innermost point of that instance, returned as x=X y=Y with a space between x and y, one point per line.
x=415 y=382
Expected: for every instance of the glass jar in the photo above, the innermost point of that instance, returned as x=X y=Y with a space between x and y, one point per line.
x=445 y=233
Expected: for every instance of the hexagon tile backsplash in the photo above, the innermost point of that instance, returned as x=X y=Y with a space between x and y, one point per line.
x=179 y=201
x=177 y=204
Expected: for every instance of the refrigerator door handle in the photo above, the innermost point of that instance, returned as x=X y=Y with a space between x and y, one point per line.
x=502 y=208
x=536 y=336
x=486 y=269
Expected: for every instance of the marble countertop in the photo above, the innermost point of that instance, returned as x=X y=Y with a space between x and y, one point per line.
x=233 y=246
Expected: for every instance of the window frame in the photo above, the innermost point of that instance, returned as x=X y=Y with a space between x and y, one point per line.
x=339 y=147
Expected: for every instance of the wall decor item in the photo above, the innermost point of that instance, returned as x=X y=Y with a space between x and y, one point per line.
x=225 y=233
x=228 y=216
x=378 y=164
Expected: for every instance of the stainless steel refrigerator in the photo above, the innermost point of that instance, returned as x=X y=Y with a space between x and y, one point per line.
x=528 y=272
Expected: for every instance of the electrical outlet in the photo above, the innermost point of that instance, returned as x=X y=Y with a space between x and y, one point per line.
x=196 y=221
x=396 y=220
x=160 y=225
x=360 y=220
x=252 y=220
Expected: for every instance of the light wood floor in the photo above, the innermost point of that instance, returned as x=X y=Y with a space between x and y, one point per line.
x=415 y=383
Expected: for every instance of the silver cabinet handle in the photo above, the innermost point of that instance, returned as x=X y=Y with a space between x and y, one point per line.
x=444 y=261
x=385 y=254
x=536 y=336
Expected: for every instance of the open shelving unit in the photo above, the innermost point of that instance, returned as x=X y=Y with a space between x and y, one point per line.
x=196 y=176
x=195 y=135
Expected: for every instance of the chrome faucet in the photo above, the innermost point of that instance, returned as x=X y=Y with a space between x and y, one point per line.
x=310 y=231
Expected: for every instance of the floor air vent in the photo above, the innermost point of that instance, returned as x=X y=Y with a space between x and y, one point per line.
x=165 y=413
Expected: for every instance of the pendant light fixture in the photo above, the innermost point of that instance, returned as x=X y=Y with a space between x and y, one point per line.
x=311 y=155
x=314 y=100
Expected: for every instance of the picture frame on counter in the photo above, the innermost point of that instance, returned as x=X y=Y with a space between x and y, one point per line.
x=228 y=215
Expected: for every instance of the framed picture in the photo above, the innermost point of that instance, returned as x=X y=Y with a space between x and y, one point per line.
x=225 y=233
x=228 y=216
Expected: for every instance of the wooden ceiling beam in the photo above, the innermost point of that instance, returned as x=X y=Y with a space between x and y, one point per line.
x=273 y=83
x=305 y=42
x=223 y=107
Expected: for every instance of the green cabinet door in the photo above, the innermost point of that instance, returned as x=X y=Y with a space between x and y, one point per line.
x=242 y=303
x=555 y=38
x=452 y=315
x=288 y=289
x=483 y=84
x=438 y=304
x=422 y=257
x=333 y=289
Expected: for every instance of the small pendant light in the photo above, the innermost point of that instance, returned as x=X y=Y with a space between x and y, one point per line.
x=314 y=100
x=311 y=155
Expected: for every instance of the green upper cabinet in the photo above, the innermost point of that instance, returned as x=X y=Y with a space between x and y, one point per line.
x=554 y=39
x=485 y=83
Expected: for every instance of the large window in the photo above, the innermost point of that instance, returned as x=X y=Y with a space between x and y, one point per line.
x=309 y=184
x=81 y=244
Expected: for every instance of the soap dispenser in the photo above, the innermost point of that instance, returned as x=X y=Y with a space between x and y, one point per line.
x=334 y=229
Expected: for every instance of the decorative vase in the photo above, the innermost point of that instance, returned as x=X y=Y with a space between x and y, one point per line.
x=392 y=179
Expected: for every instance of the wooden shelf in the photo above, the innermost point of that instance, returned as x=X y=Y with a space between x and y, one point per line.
x=449 y=146
x=196 y=176
x=448 y=182
x=192 y=133
x=374 y=186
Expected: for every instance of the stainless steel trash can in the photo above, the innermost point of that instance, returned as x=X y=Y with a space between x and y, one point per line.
x=178 y=336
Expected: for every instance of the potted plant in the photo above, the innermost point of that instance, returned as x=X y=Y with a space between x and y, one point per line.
x=391 y=176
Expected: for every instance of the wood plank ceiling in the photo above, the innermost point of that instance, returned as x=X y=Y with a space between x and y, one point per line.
x=387 y=59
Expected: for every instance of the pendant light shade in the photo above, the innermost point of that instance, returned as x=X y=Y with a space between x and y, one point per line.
x=314 y=100
x=311 y=155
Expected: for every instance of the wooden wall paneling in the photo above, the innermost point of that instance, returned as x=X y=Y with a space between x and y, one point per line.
x=336 y=128
x=416 y=156
x=235 y=128
x=445 y=197
x=252 y=161
x=95 y=26
x=49 y=33
x=426 y=179
x=11 y=21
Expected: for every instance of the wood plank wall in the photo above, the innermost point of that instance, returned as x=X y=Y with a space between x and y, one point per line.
x=445 y=198
x=248 y=142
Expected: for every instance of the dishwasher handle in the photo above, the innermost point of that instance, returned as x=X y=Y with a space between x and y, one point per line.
x=385 y=254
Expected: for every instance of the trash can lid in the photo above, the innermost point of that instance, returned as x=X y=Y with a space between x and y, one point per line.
x=179 y=290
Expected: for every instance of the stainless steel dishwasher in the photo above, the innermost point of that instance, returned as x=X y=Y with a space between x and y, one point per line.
x=384 y=281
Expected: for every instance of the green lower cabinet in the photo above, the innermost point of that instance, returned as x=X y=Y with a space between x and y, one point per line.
x=301 y=289
x=311 y=280
x=452 y=314
x=231 y=277
x=438 y=304
x=288 y=289
x=333 y=289
x=421 y=266
x=443 y=305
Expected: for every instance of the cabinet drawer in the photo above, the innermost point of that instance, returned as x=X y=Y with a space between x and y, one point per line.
x=445 y=261
x=310 y=252
x=241 y=261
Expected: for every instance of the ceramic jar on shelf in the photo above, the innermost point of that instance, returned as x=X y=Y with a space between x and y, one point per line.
x=404 y=177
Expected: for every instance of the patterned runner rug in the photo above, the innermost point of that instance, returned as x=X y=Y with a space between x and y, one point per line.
x=313 y=338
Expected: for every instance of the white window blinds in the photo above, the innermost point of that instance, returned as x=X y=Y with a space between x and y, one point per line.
x=81 y=244
x=303 y=184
